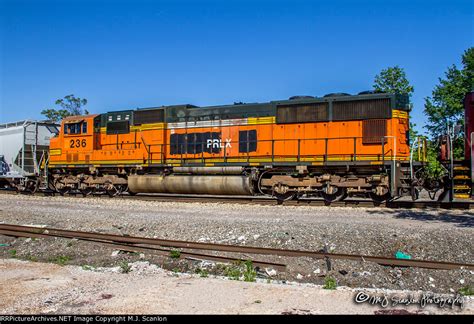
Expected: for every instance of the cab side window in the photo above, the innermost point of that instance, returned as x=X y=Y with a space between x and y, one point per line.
x=75 y=128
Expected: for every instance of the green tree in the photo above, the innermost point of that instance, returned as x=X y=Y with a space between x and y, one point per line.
x=69 y=106
x=393 y=80
x=446 y=102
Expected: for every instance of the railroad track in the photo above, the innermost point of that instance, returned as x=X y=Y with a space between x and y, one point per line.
x=35 y=232
x=134 y=243
x=258 y=200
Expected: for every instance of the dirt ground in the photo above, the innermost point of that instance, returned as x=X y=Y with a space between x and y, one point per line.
x=44 y=288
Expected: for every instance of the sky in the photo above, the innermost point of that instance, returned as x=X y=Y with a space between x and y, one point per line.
x=129 y=54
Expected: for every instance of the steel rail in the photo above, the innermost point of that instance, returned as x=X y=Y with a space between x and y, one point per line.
x=154 y=250
x=241 y=249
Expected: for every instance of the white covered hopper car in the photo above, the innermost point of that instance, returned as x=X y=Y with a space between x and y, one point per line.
x=24 y=147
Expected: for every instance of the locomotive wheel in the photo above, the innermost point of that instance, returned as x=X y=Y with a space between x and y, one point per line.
x=64 y=191
x=333 y=194
x=110 y=189
x=286 y=196
x=282 y=193
x=86 y=191
x=380 y=194
x=379 y=198
x=60 y=187
x=112 y=192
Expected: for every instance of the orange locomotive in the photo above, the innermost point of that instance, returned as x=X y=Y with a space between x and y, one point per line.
x=333 y=146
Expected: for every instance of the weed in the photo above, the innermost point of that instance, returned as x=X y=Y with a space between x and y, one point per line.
x=233 y=272
x=126 y=268
x=12 y=253
x=87 y=267
x=241 y=269
x=202 y=272
x=467 y=291
x=69 y=244
x=249 y=272
x=175 y=270
x=330 y=283
x=175 y=254
x=258 y=301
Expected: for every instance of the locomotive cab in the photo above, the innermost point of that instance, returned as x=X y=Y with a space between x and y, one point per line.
x=76 y=139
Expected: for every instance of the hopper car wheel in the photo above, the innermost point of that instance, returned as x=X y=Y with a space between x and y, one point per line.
x=332 y=194
x=32 y=186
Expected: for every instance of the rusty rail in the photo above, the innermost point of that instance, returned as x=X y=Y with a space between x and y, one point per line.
x=147 y=249
x=233 y=248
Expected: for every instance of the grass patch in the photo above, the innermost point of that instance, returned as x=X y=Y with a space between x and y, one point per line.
x=12 y=253
x=330 y=283
x=467 y=291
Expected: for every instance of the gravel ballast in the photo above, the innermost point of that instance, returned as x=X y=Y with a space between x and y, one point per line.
x=440 y=235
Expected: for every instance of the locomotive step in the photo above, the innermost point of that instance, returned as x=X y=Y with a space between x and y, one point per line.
x=462 y=196
x=461 y=177
x=462 y=187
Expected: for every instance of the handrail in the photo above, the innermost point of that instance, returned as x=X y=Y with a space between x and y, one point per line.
x=304 y=149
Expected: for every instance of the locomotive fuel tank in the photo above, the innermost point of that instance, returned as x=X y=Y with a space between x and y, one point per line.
x=191 y=184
